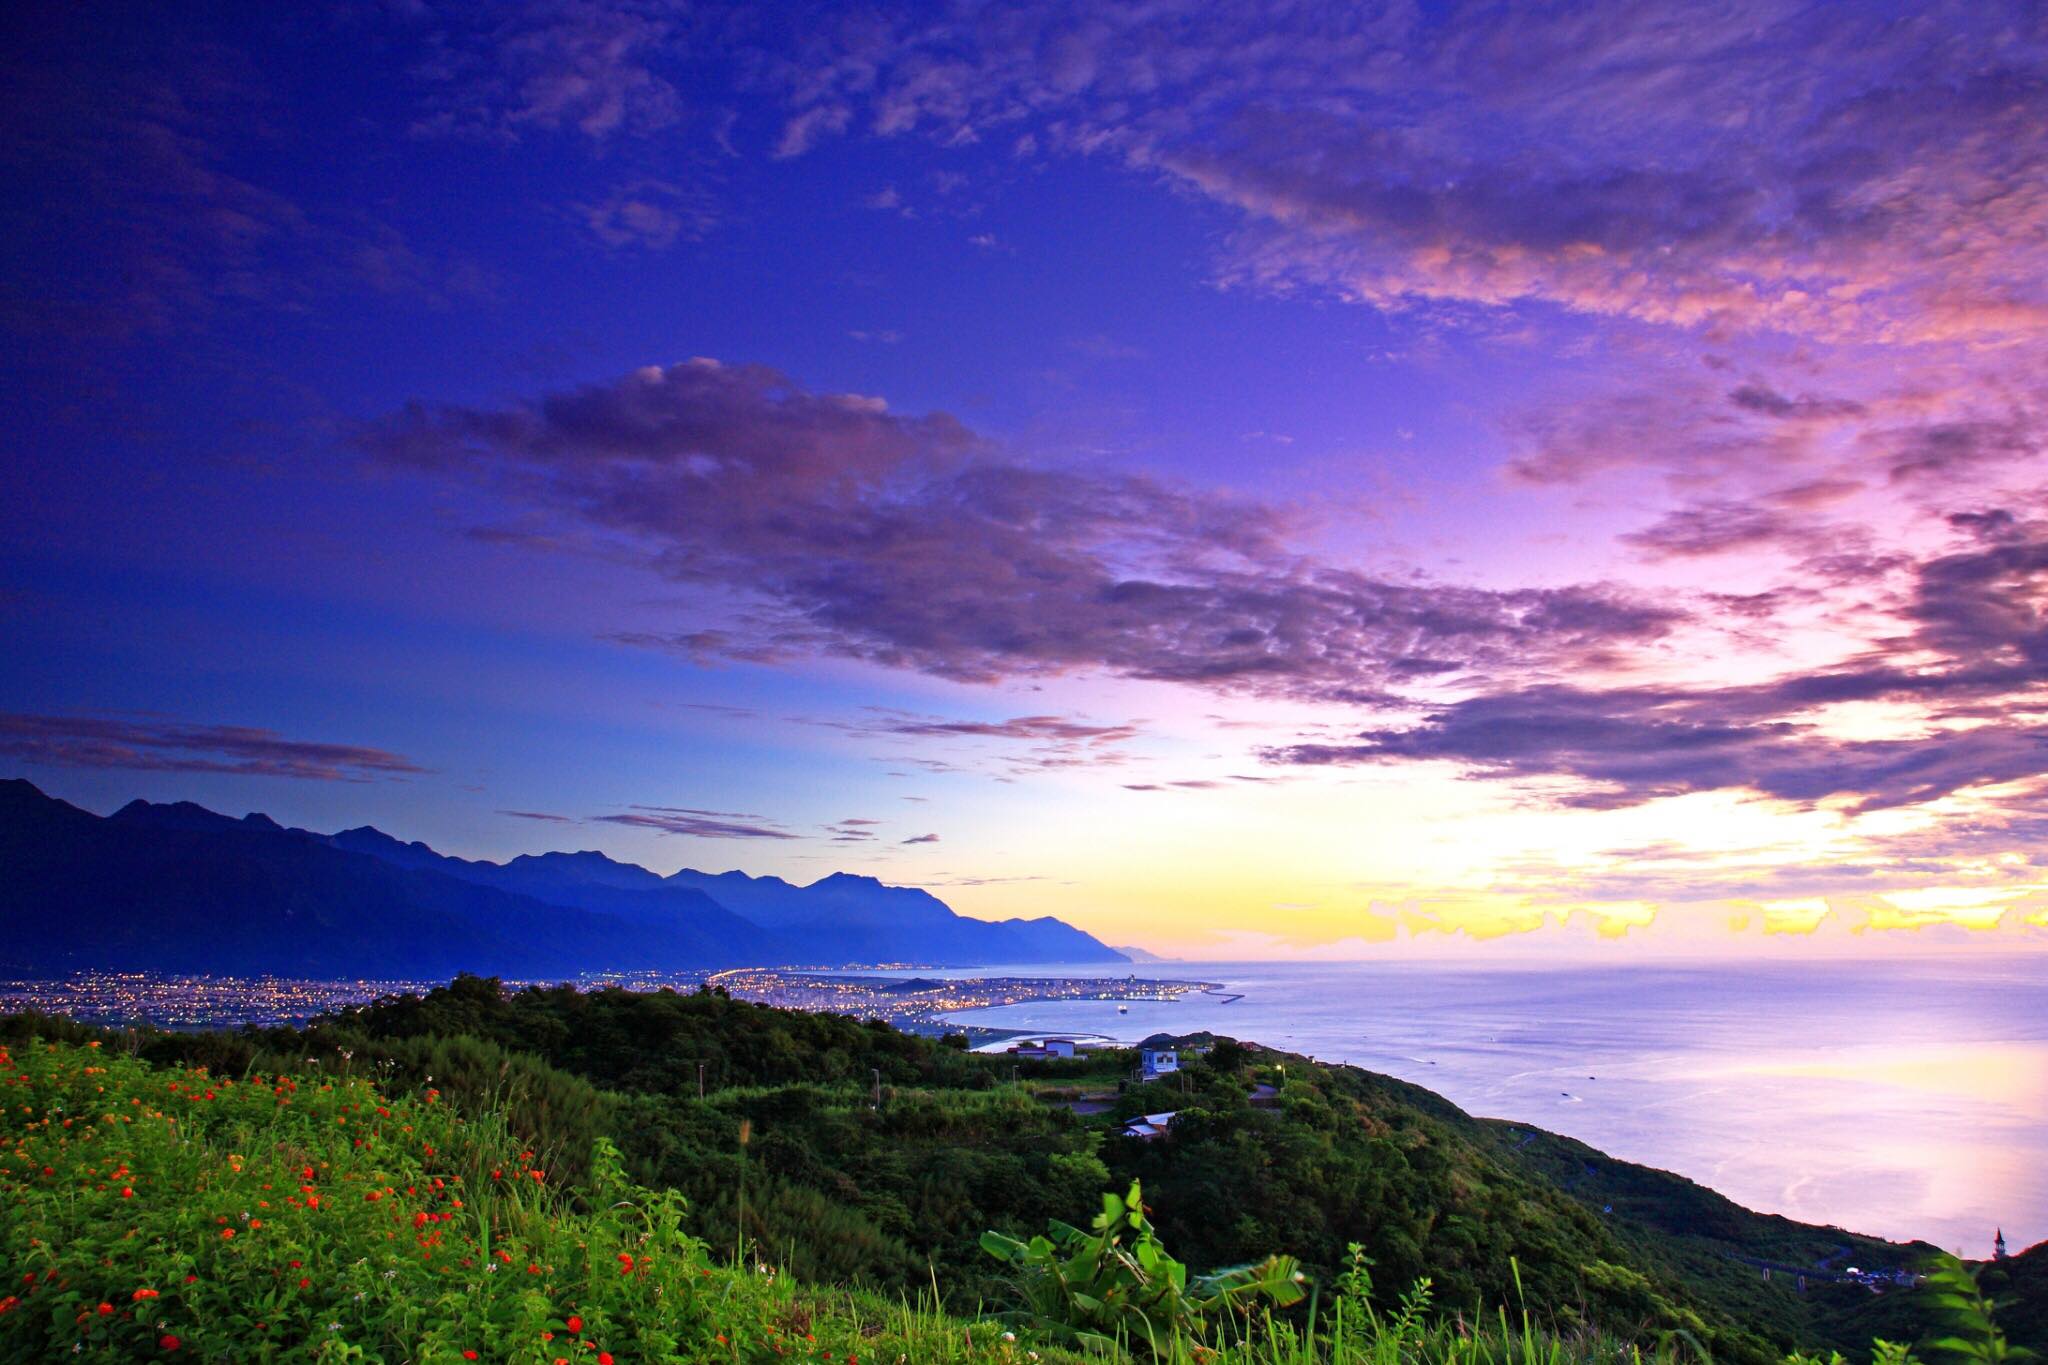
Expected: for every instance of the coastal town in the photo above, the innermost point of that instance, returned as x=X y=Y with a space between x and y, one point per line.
x=923 y=1004
x=915 y=1003
x=183 y=1002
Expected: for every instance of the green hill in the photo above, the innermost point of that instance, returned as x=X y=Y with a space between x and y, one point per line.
x=852 y=1155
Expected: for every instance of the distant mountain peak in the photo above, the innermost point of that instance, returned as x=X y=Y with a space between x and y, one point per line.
x=851 y=879
x=185 y=815
x=249 y=895
x=585 y=865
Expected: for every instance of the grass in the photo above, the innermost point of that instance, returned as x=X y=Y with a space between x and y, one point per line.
x=173 y=1214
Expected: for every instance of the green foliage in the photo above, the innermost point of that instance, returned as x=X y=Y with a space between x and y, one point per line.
x=1115 y=1285
x=1371 y=1183
x=1951 y=1290
x=1973 y=1335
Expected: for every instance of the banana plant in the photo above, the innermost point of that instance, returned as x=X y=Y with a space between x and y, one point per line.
x=1115 y=1287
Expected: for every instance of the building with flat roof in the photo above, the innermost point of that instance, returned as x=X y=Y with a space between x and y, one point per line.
x=1146 y=1127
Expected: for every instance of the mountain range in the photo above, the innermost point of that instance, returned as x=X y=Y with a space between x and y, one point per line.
x=179 y=888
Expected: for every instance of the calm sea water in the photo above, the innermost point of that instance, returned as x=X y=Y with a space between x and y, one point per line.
x=1899 y=1099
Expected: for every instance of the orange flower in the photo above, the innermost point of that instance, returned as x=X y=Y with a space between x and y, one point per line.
x=142 y=1294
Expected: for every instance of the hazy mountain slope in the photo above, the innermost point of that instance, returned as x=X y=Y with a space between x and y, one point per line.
x=177 y=887
x=851 y=918
x=591 y=881
x=180 y=889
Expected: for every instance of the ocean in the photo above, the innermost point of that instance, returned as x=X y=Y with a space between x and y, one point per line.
x=1901 y=1099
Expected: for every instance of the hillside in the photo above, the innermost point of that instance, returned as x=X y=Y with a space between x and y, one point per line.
x=1304 y=1160
x=179 y=888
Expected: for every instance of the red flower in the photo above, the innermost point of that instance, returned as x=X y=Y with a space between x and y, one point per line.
x=142 y=1294
x=106 y=1310
x=469 y=1355
x=604 y=1358
x=575 y=1323
x=169 y=1342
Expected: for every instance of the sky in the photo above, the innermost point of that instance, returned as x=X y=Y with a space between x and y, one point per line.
x=1251 y=479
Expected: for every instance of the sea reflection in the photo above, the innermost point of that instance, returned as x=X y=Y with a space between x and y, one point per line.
x=1907 y=1100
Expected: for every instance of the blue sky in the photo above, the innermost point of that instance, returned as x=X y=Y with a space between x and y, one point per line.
x=1255 y=477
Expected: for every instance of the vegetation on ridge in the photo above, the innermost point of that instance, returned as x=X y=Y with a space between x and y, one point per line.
x=1335 y=1166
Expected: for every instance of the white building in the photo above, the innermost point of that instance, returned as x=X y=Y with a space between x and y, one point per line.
x=1059 y=1047
x=1146 y=1127
x=1158 y=1061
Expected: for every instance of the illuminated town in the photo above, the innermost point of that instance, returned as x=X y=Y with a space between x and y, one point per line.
x=921 y=1004
x=179 y=1002
x=916 y=1004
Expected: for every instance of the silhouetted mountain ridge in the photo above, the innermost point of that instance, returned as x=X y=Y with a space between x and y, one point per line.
x=177 y=887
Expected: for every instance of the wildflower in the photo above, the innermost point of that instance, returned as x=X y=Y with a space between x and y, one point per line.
x=105 y=1310
x=575 y=1323
x=227 y=1232
x=604 y=1358
x=142 y=1294
x=169 y=1342
x=469 y=1355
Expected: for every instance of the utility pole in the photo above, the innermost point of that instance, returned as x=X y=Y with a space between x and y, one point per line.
x=878 y=1086
x=700 y=1080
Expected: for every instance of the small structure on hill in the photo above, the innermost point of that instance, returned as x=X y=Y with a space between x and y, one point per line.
x=1154 y=1062
x=1998 y=1251
x=1048 y=1047
x=1146 y=1127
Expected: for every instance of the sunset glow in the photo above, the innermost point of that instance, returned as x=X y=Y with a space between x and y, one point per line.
x=1249 y=480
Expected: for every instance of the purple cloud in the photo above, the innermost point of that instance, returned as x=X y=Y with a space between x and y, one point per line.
x=1975 y=651
x=701 y=824
x=540 y=815
x=1042 y=729
x=922 y=839
x=1602 y=157
x=552 y=65
x=906 y=541
x=148 y=744
x=150 y=216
